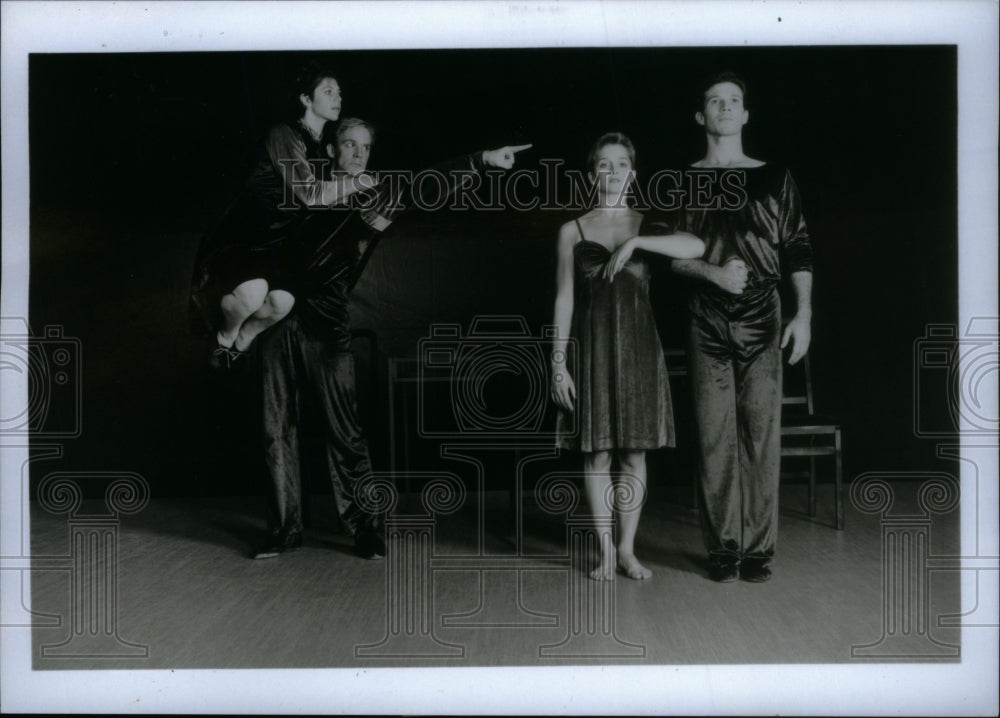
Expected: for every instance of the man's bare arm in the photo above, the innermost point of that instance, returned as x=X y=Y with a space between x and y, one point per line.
x=731 y=277
x=799 y=329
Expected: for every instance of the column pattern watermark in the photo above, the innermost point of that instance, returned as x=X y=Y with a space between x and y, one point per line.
x=93 y=562
x=906 y=570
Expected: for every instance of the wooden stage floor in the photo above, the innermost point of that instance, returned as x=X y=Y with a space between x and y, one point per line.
x=173 y=588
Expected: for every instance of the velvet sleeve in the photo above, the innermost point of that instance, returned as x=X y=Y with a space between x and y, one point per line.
x=383 y=204
x=287 y=154
x=793 y=235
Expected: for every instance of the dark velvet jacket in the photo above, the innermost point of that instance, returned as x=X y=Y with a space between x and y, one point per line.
x=265 y=215
x=754 y=214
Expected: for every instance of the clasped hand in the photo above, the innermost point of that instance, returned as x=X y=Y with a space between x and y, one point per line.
x=732 y=276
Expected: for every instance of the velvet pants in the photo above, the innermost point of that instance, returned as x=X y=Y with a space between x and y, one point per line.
x=308 y=377
x=735 y=369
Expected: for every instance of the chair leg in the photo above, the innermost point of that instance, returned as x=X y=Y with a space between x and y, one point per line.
x=839 y=478
x=812 y=487
x=695 y=489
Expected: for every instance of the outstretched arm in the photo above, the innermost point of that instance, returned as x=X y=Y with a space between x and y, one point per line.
x=678 y=245
x=503 y=157
x=382 y=204
x=563 y=389
x=799 y=329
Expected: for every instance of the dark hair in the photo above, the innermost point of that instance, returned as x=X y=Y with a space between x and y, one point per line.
x=306 y=81
x=610 y=138
x=711 y=80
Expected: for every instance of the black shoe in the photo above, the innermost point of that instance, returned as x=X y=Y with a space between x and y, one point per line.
x=275 y=544
x=724 y=572
x=225 y=358
x=370 y=544
x=755 y=571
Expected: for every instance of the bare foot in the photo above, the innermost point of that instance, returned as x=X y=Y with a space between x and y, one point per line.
x=225 y=340
x=631 y=567
x=605 y=571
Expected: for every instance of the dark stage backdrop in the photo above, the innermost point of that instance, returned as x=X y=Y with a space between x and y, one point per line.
x=133 y=156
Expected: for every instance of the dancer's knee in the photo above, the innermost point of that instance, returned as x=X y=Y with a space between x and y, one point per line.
x=251 y=293
x=280 y=302
x=632 y=462
x=597 y=461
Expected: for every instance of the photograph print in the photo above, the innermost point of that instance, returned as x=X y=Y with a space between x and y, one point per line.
x=404 y=360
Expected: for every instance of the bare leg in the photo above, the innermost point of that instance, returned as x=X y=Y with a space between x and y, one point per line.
x=597 y=480
x=237 y=306
x=628 y=503
x=276 y=306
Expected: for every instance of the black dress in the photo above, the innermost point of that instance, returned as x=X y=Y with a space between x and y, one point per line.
x=259 y=234
x=622 y=391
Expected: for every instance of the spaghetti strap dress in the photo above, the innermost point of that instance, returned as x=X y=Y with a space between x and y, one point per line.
x=622 y=390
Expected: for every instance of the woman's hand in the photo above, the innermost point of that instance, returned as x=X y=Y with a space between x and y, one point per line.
x=618 y=258
x=503 y=157
x=563 y=388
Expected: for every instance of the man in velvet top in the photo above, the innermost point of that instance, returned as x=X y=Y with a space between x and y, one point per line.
x=736 y=338
x=307 y=368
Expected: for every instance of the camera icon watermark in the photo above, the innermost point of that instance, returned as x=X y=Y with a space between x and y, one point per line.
x=497 y=379
x=48 y=367
x=956 y=380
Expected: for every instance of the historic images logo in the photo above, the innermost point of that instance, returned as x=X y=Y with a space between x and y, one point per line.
x=553 y=187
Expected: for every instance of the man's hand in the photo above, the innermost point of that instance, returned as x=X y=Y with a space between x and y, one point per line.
x=799 y=331
x=366 y=180
x=503 y=157
x=732 y=276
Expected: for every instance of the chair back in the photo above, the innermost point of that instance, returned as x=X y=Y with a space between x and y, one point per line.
x=676 y=361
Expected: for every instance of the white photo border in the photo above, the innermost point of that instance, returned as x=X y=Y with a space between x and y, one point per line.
x=965 y=688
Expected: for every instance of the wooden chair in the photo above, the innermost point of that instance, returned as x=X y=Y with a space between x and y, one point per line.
x=804 y=434
x=677 y=369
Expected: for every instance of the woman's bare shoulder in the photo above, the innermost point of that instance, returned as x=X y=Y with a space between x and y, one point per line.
x=570 y=231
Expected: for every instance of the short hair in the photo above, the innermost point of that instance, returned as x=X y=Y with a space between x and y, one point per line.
x=306 y=81
x=350 y=122
x=610 y=138
x=335 y=130
x=712 y=80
